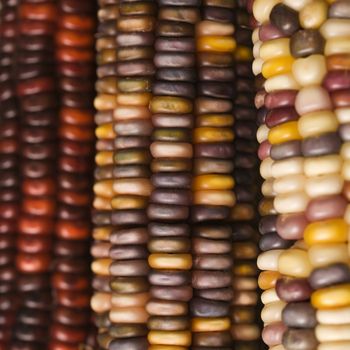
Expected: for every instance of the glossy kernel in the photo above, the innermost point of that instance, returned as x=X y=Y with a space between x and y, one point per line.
x=328 y=231
x=331 y=297
x=284 y=132
x=213 y=182
x=203 y=324
x=207 y=134
x=275 y=66
x=216 y=43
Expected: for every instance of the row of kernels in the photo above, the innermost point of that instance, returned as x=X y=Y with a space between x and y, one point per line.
x=105 y=102
x=36 y=91
x=131 y=184
x=213 y=181
x=171 y=149
x=9 y=179
x=74 y=46
x=271 y=243
x=245 y=313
